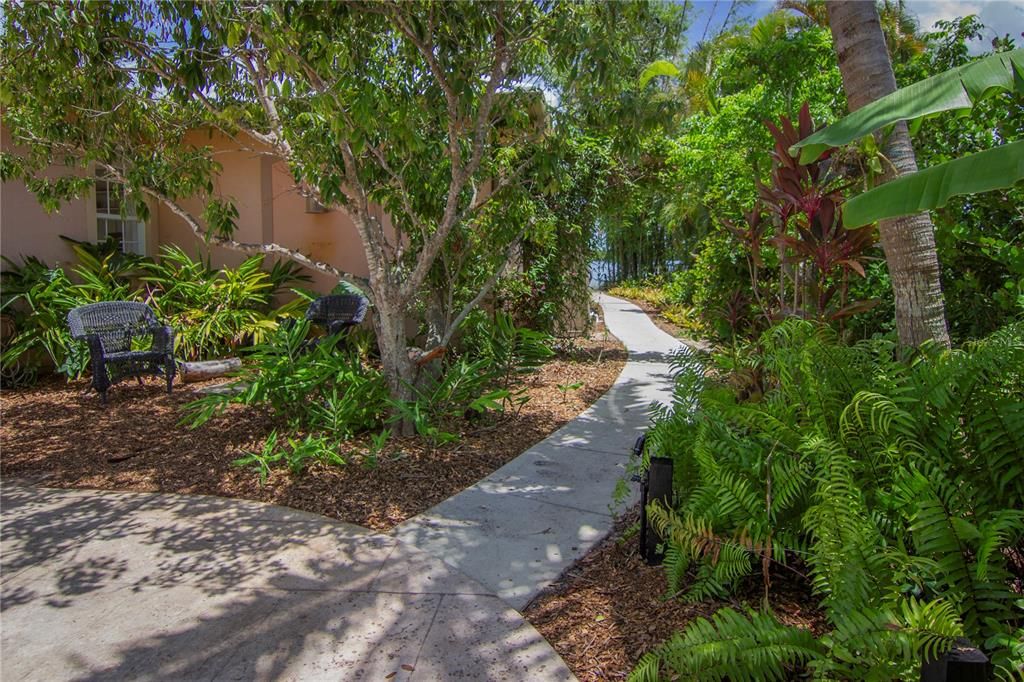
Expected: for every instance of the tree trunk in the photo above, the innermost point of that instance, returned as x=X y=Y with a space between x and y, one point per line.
x=399 y=369
x=909 y=241
x=389 y=312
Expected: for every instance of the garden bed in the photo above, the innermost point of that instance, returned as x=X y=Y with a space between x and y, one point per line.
x=59 y=435
x=610 y=607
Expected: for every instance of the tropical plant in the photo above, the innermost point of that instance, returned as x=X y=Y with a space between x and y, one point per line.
x=296 y=454
x=958 y=89
x=894 y=481
x=214 y=311
x=106 y=260
x=807 y=200
x=496 y=356
x=508 y=352
x=565 y=388
x=464 y=385
x=38 y=299
x=309 y=386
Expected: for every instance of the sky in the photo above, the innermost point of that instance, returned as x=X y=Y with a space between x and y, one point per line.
x=1004 y=16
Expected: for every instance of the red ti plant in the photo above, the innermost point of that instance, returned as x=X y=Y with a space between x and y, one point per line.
x=751 y=237
x=819 y=252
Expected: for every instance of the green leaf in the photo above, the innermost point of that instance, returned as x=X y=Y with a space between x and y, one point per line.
x=958 y=88
x=662 y=67
x=997 y=168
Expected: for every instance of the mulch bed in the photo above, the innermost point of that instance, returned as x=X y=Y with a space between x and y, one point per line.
x=58 y=435
x=610 y=607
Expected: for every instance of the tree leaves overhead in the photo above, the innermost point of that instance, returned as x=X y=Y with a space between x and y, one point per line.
x=997 y=168
x=955 y=89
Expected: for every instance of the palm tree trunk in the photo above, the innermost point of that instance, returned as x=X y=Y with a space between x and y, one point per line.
x=908 y=242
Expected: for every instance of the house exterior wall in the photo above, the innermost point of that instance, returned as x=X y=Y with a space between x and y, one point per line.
x=28 y=230
x=239 y=180
x=270 y=209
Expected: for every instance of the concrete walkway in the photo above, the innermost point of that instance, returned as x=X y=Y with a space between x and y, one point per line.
x=114 y=586
x=516 y=530
x=134 y=586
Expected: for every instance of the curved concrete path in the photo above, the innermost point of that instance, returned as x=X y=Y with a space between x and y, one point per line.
x=119 y=586
x=516 y=530
x=102 y=585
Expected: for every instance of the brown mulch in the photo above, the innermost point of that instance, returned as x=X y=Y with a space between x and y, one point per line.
x=609 y=608
x=59 y=435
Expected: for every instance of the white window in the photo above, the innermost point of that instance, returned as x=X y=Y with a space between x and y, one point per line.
x=126 y=229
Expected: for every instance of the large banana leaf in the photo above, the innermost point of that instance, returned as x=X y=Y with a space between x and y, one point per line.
x=957 y=88
x=996 y=168
x=661 y=67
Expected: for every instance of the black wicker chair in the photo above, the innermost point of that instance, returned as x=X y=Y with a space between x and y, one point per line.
x=109 y=328
x=337 y=313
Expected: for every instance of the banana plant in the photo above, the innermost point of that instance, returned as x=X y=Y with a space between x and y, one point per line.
x=958 y=89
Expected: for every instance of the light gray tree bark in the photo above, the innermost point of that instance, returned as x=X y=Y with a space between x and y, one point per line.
x=909 y=241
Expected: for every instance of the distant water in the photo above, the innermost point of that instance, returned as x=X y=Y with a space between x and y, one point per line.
x=602 y=272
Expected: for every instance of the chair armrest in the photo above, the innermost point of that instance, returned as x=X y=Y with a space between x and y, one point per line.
x=95 y=342
x=338 y=326
x=163 y=339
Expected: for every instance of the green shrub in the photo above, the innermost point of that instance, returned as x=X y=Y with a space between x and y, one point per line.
x=649 y=290
x=215 y=311
x=309 y=386
x=464 y=385
x=296 y=454
x=511 y=352
x=898 y=481
x=496 y=355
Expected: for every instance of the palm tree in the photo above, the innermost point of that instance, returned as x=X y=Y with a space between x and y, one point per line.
x=909 y=241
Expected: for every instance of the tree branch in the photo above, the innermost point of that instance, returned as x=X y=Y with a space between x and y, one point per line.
x=245 y=247
x=484 y=291
x=460 y=174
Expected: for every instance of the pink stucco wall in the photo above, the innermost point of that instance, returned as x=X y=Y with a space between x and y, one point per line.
x=330 y=237
x=269 y=207
x=240 y=182
x=27 y=230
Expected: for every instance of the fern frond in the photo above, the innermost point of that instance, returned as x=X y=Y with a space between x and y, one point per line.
x=736 y=646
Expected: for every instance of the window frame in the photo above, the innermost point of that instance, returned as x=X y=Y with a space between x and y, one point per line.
x=141 y=242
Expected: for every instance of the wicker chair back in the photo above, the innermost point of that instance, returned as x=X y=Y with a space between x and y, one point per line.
x=115 y=322
x=348 y=309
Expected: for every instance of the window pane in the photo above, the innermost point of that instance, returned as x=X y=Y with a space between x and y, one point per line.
x=114 y=199
x=128 y=233
x=101 y=196
x=134 y=235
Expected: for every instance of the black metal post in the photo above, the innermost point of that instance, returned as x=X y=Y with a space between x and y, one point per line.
x=658 y=488
x=964 y=663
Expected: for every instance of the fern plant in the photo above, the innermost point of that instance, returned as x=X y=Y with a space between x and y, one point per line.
x=897 y=480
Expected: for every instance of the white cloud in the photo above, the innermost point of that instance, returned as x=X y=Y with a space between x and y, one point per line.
x=1000 y=17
